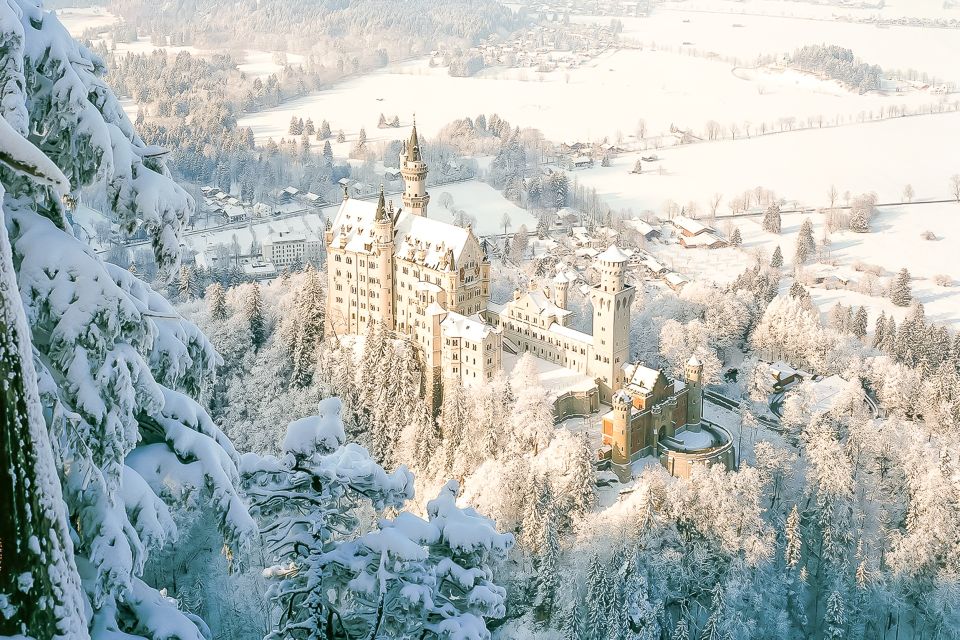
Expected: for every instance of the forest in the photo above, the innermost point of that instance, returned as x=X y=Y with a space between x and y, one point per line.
x=211 y=464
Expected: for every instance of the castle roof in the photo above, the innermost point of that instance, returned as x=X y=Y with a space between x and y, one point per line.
x=545 y=305
x=613 y=254
x=456 y=325
x=640 y=378
x=431 y=243
x=413 y=145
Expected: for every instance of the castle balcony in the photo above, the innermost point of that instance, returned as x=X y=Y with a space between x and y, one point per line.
x=710 y=444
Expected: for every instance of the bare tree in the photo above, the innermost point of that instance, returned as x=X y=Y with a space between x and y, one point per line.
x=955 y=186
x=715 y=204
x=832 y=195
x=505 y=222
x=641 y=129
x=908 y=193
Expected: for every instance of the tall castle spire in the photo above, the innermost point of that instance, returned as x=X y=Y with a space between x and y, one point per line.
x=414 y=172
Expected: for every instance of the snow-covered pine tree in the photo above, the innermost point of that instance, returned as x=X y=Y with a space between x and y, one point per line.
x=531 y=420
x=805 y=243
x=879 y=330
x=858 y=326
x=256 y=319
x=117 y=368
x=548 y=566
x=777 y=260
x=834 y=618
x=771 y=219
x=596 y=617
x=408 y=577
x=302 y=328
x=324 y=131
x=40 y=593
x=713 y=628
x=900 y=293
x=736 y=239
x=681 y=631
x=582 y=493
x=793 y=538
x=217 y=302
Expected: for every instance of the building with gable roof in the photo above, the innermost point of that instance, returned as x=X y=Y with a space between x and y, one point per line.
x=430 y=280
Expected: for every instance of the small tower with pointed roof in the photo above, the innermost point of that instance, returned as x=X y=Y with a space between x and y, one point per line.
x=383 y=235
x=414 y=172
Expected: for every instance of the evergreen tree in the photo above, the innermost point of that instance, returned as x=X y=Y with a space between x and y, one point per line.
x=859 y=325
x=771 y=219
x=217 y=302
x=596 y=618
x=713 y=628
x=256 y=321
x=324 y=131
x=341 y=137
x=303 y=329
x=900 y=293
x=805 y=243
x=793 y=537
x=681 y=632
x=308 y=127
x=736 y=239
x=187 y=284
x=328 y=152
x=548 y=567
x=834 y=619
x=880 y=330
x=777 y=260
x=39 y=584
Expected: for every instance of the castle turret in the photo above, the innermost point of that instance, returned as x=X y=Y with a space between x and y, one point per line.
x=611 y=299
x=383 y=233
x=414 y=172
x=693 y=372
x=561 y=285
x=621 y=428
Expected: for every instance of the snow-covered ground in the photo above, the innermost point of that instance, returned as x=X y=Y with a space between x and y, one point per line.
x=880 y=156
x=708 y=25
x=483 y=202
x=79 y=19
x=606 y=97
x=256 y=62
x=894 y=242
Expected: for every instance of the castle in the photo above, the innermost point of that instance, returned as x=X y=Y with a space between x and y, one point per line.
x=430 y=280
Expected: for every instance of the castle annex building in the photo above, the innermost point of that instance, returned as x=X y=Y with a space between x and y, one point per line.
x=430 y=280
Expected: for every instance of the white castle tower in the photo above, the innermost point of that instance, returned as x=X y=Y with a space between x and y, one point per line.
x=383 y=233
x=611 y=299
x=693 y=372
x=414 y=172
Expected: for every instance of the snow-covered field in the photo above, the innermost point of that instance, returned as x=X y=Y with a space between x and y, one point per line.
x=708 y=25
x=893 y=243
x=256 y=62
x=606 y=97
x=483 y=202
x=880 y=156
x=79 y=19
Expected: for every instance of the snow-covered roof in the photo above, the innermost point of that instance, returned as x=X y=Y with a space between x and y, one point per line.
x=544 y=305
x=641 y=226
x=418 y=239
x=565 y=274
x=640 y=378
x=291 y=191
x=311 y=196
x=456 y=325
x=427 y=241
x=234 y=211
x=694 y=361
x=572 y=334
x=702 y=239
x=689 y=224
x=613 y=254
